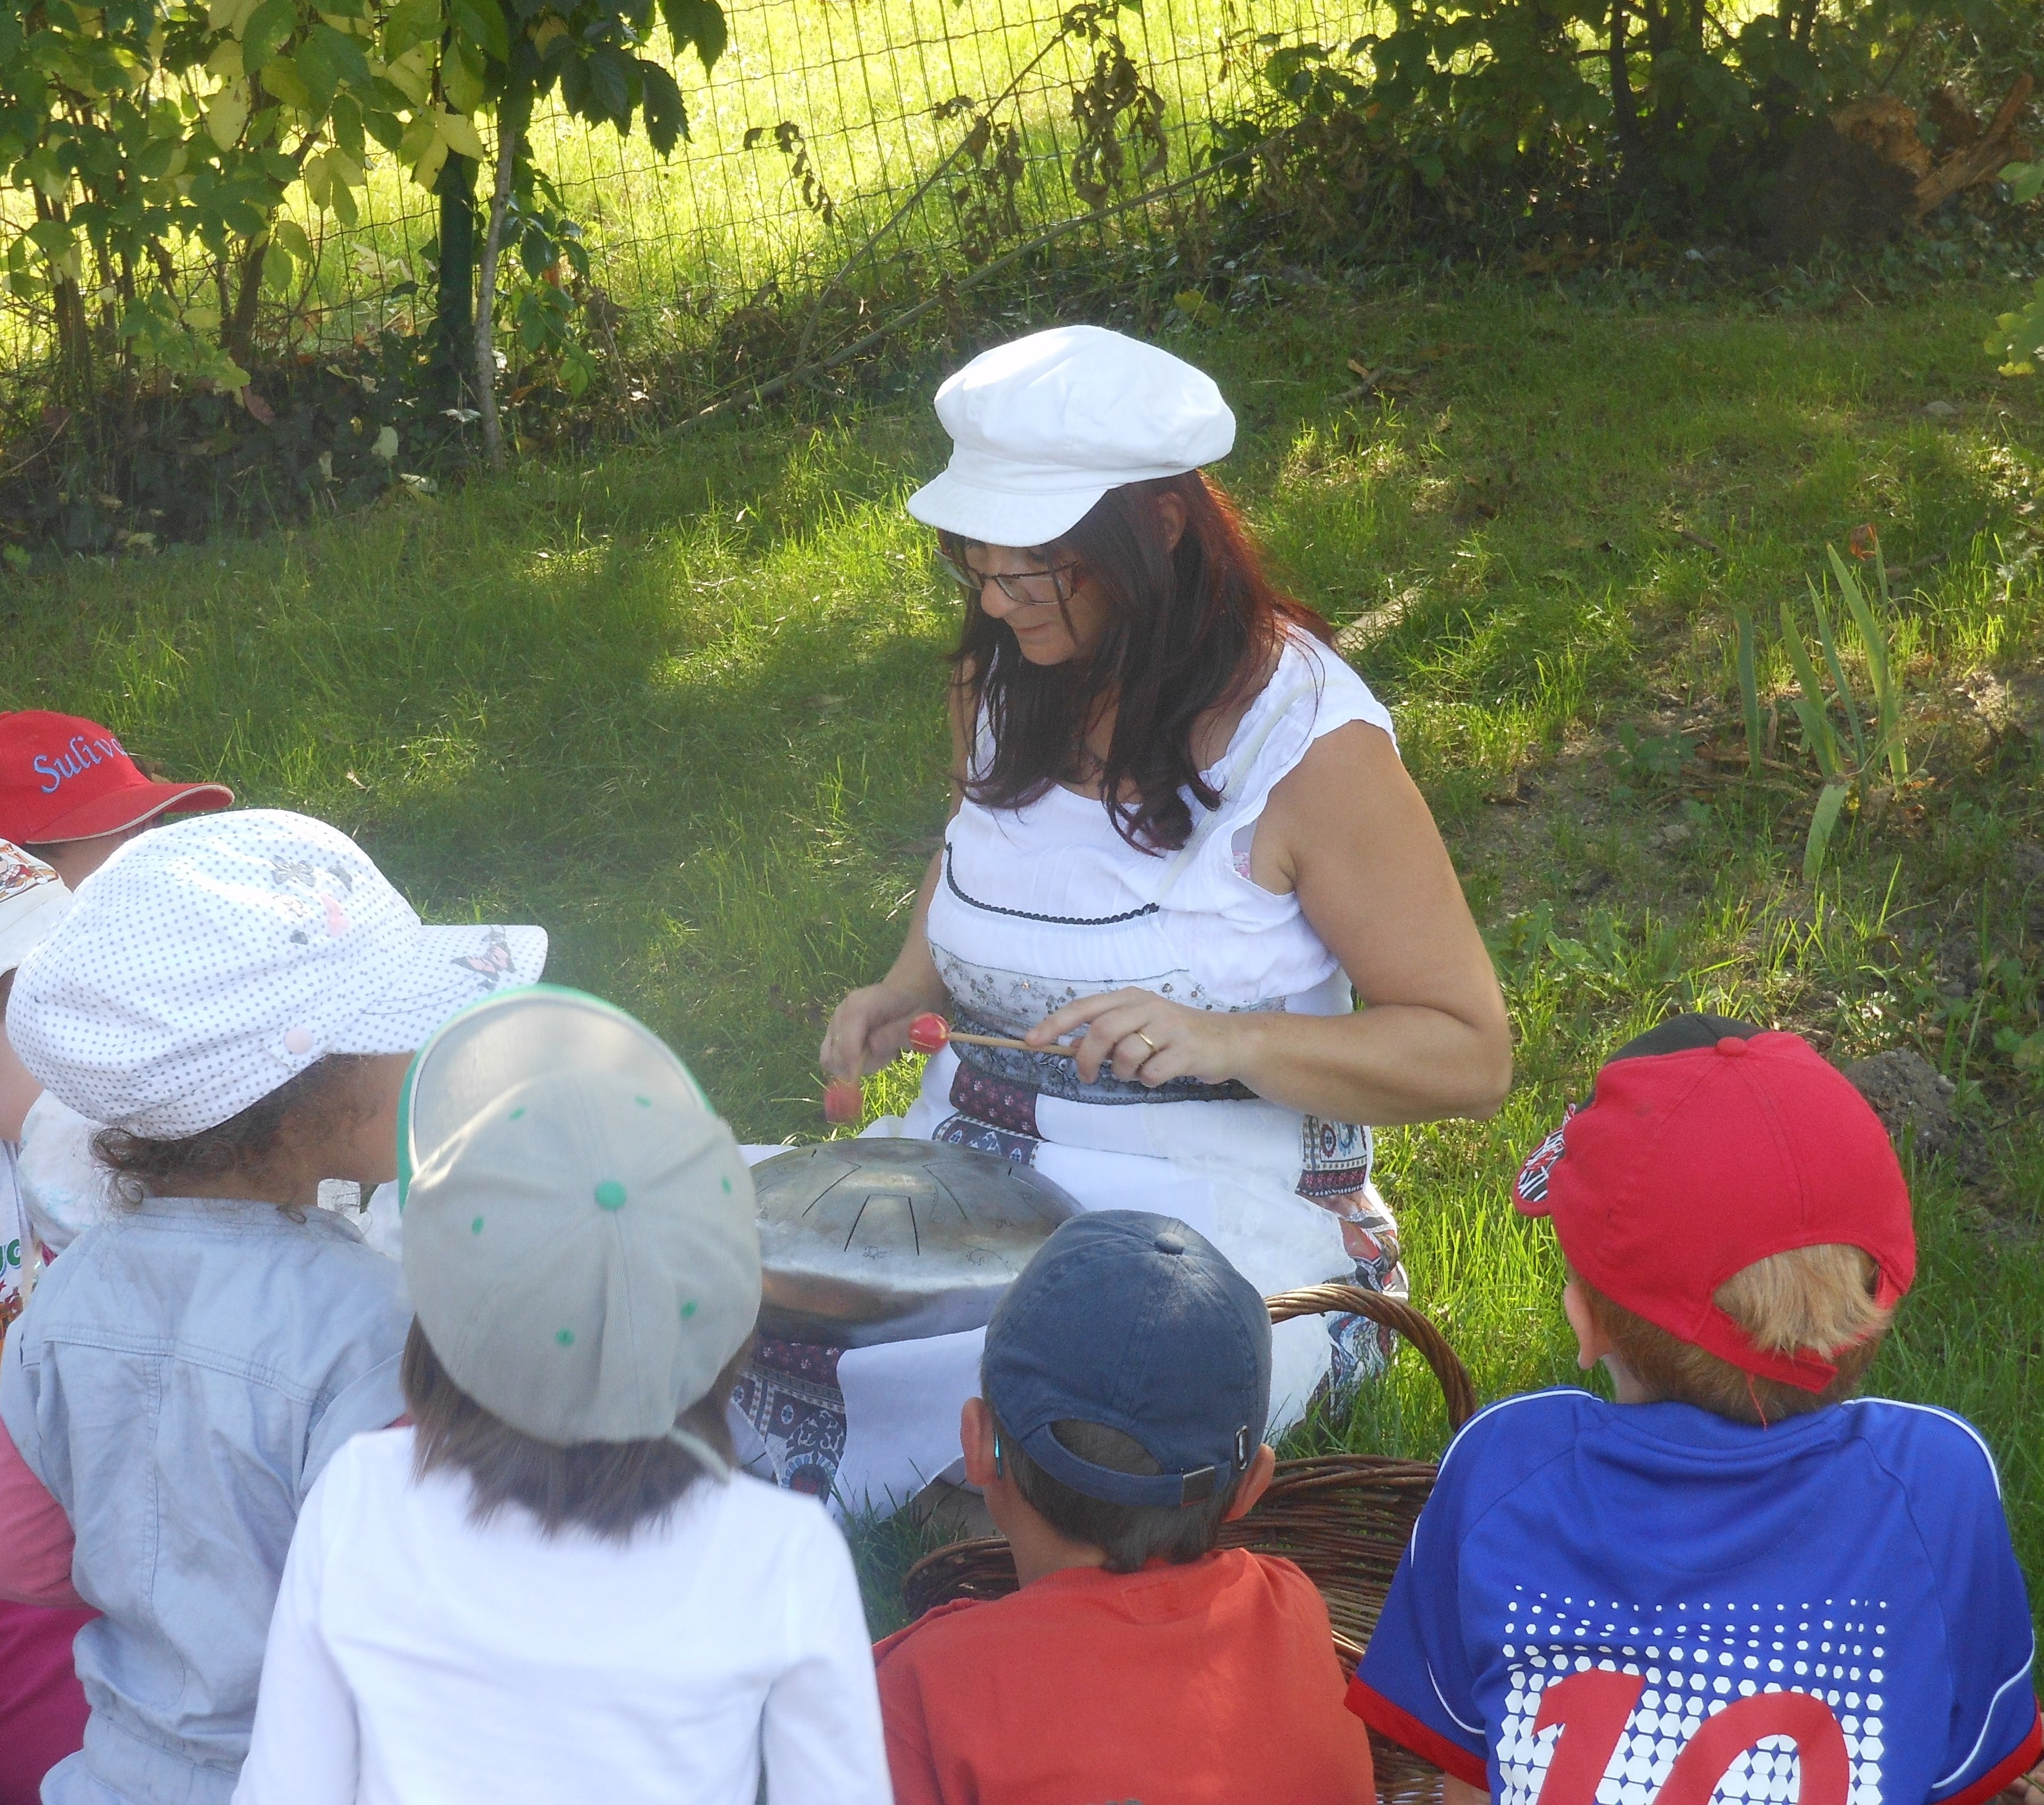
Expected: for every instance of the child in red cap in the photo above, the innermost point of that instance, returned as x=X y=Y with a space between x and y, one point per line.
x=70 y=792
x=1740 y=1581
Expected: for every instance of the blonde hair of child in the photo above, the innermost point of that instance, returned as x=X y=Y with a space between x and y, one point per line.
x=1818 y=1300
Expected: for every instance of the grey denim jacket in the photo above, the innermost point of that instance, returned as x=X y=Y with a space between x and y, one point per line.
x=179 y=1380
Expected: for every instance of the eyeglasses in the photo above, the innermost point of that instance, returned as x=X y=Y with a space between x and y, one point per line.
x=1026 y=588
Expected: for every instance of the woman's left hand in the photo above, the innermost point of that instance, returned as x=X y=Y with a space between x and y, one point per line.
x=1146 y=1039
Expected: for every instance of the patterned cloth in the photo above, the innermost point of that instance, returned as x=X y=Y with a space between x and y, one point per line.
x=790 y=1396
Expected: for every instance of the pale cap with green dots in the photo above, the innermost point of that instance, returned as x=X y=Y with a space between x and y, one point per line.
x=579 y=1236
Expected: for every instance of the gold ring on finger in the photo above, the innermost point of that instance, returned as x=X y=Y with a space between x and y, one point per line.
x=1147 y=1041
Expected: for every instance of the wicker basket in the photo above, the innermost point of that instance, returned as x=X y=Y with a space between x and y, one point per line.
x=1345 y=1518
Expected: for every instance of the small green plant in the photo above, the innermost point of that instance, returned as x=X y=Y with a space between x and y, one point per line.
x=1651 y=760
x=2018 y=337
x=1851 y=746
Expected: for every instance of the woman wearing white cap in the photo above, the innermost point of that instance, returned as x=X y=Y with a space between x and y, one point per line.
x=1180 y=833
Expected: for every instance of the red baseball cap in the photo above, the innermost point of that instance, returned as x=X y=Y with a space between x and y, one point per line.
x=1710 y=1144
x=64 y=778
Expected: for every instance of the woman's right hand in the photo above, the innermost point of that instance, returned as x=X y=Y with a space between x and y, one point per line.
x=871 y=1029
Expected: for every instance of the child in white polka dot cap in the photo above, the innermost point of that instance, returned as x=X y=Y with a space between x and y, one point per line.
x=237 y=997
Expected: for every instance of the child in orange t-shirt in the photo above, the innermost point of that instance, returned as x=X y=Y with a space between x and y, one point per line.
x=1126 y=1383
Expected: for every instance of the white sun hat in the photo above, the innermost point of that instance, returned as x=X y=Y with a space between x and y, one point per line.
x=211 y=961
x=33 y=898
x=1042 y=427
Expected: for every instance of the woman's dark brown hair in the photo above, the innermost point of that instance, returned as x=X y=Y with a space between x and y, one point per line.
x=1190 y=628
x=607 y=1487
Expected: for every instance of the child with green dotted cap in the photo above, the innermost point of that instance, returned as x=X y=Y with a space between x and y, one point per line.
x=551 y=1584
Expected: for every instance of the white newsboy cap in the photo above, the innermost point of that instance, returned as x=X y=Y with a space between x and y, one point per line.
x=209 y=962
x=1043 y=427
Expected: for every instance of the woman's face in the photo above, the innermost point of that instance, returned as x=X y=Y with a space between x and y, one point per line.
x=1046 y=632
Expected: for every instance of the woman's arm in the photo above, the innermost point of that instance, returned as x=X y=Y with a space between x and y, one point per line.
x=1348 y=831
x=870 y=1028
x=1460 y=1793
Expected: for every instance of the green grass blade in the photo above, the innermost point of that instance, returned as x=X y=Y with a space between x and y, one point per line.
x=1830 y=651
x=1887 y=696
x=1748 y=688
x=1823 y=823
x=1817 y=729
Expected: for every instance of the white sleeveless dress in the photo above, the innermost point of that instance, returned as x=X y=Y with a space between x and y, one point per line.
x=1037 y=906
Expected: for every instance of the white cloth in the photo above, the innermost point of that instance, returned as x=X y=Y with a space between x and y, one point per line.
x=1038 y=906
x=17 y=1250
x=418 y=1658
x=64 y=1190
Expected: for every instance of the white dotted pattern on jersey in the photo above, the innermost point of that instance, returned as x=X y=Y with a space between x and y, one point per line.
x=1695 y=1660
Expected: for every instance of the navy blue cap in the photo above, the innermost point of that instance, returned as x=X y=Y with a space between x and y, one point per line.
x=1136 y=1322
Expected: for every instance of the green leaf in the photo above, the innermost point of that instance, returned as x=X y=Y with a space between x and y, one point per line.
x=1823 y=822
x=281 y=77
x=1838 y=678
x=226 y=113
x=481 y=23
x=1749 y=686
x=266 y=30
x=1818 y=732
x=698 y=22
x=1892 y=743
x=609 y=73
x=460 y=135
x=462 y=72
x=410 y=22
x=51 y=236
x=2026 y=182
x=667 y=116
x=345 y=122
x=329 y=60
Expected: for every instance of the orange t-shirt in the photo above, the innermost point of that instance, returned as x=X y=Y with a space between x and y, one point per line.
x=1196 y=1684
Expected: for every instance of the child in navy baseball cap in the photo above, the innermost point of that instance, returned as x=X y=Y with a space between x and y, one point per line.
x=1740 y=1580
x=1124 y=1390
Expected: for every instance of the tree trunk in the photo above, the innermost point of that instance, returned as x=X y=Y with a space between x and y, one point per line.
x=237 y=337
x=510 y=128
x=1624 y=106
x=74 y=325
x=454 y=312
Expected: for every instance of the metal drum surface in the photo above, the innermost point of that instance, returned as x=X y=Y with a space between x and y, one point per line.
x=892 y=1239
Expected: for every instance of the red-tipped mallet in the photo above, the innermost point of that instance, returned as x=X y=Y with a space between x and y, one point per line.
x=844 y=1100
x=929 y=1034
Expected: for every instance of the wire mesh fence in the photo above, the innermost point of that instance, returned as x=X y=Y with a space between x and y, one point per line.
x=846 y=158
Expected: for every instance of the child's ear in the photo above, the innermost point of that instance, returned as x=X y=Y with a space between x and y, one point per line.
x=1591 y=1343
x=976 y=1439
x=1262 y=1464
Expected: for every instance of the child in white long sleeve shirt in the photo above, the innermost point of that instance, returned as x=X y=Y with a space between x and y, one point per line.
x=551 y=1585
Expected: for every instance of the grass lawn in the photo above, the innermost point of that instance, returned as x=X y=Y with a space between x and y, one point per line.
x=682 y=706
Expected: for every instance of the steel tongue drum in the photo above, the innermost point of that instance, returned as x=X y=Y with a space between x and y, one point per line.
x=884 y=1239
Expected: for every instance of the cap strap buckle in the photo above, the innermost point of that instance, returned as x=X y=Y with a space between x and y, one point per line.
x=1198 y=1486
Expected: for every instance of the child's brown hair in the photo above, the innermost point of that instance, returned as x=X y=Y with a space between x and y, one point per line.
x=1809 y=1300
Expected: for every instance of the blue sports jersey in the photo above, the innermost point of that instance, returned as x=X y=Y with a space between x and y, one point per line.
x=1647 y=1604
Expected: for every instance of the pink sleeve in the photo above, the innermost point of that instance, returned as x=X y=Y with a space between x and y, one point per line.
x=36 y=1543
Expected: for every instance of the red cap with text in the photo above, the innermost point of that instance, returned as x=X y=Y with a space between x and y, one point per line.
x=1710 y=1144
x=64 y=778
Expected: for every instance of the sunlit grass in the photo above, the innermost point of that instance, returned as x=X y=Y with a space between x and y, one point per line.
x=682 y=706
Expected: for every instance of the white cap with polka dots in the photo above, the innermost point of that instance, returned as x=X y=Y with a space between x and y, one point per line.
x=210 y=961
